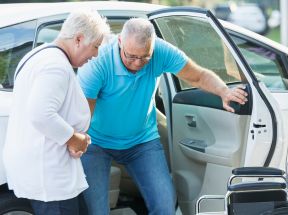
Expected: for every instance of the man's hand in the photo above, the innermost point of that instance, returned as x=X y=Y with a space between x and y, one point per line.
x=236 y=95
x=78 y=143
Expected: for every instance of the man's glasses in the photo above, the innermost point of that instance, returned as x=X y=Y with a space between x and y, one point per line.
x=134 y=58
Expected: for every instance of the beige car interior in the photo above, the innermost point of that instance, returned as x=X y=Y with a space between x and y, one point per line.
x=120 y=180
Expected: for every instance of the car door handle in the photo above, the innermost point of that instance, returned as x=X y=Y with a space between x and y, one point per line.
x=191 y=121
x=258 y=125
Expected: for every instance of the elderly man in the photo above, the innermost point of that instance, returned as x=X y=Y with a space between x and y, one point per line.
x=49 y=118
x=120 y=86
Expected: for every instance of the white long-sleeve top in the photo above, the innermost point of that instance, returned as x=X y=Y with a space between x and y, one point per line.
x=48 y=105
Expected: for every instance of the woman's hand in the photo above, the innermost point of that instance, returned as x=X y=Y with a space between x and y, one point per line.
x=78 y=143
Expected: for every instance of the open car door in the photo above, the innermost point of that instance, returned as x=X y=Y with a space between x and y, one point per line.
x=205 y=141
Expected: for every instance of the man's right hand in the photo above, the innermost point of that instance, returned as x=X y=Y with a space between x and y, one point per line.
x=78 y=143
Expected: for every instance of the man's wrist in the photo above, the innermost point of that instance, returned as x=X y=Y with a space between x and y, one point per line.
x=222 y=91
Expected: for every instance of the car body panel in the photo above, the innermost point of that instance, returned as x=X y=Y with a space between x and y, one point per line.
x=29 y=11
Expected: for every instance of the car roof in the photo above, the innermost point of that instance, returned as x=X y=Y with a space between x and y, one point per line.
x=21 y=12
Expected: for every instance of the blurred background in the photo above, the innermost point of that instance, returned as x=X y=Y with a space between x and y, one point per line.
x=260 y=16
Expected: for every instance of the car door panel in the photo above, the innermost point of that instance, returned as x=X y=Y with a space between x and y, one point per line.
x=199 y=118
x=207 y=142
x=202 y=98
x=206 y=171
x=4 y=113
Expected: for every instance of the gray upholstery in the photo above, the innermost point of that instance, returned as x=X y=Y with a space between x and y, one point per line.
x=115 y=177
x=123 y=211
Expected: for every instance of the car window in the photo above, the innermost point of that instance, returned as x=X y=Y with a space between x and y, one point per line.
x=16 y=41
x=48 y=32
x=265 y=63
x=116 y=24
x=200 y=42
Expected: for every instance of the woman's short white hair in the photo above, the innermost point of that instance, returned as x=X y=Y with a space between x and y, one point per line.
x=89 y=23
x=140 y=29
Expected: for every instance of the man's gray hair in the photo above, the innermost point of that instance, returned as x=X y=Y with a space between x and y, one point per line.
x=140 y=29
x=89 y=23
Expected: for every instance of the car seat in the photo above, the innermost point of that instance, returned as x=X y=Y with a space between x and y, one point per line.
x=115 y=177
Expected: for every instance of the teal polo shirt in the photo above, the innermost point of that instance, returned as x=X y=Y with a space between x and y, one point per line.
x=125 y=113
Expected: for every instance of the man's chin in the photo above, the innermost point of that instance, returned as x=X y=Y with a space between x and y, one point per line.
x=134 y=69
x=137 y=68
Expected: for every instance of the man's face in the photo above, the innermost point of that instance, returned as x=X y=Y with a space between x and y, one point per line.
x=134 y=55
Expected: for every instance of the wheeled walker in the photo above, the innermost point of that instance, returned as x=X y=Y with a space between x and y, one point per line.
x=252 y=191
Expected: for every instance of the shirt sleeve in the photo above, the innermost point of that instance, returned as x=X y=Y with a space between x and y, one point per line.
x=47 y=96
x=168 y=58
x=90 y=77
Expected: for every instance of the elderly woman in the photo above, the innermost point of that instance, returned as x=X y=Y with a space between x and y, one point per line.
x=49 y=117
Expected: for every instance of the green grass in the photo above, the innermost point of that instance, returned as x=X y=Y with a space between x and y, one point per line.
x=274 y=34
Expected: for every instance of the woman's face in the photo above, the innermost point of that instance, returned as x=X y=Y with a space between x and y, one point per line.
x=84 y=52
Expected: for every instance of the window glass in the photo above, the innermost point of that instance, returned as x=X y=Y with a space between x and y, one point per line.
x=16 y=41
x=116 y=25
x=48 y=33
x=265 y=63
x=197 y=38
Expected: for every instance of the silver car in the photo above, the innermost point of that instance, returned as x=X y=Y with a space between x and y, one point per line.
x=203 y=142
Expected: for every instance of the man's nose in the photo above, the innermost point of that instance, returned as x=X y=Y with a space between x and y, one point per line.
x=138 y=61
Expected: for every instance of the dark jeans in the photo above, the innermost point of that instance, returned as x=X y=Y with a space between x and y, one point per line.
x=146 y=164
x=65 y=207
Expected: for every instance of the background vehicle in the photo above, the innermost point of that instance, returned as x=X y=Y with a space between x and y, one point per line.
x=250 y=16
x=223 y=11
x=201 y=140
x=274 y=19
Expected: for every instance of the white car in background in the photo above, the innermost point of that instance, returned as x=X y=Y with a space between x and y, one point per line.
x=203 y=142
x=250 y=16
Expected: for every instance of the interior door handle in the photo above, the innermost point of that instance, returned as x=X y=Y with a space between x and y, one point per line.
x=191 y=121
